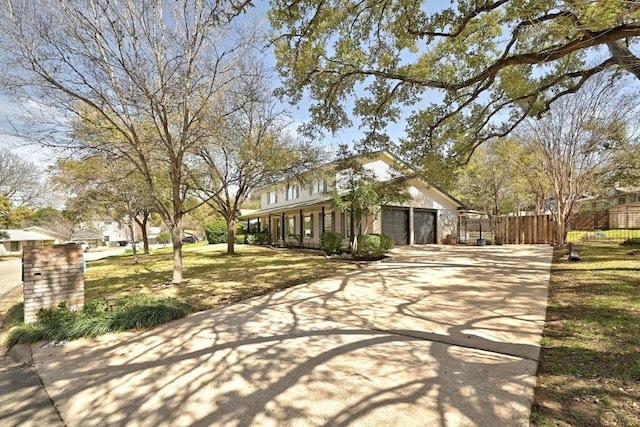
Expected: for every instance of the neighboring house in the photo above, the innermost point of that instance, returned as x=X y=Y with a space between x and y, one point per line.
x=92 y=239
x=625 y=216
x=59 y=238
x=112 y=232
x=18 y=239
x=291 y=211
x=612 y=197
x=619 y=208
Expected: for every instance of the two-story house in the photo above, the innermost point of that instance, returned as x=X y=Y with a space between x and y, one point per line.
x=291 y=211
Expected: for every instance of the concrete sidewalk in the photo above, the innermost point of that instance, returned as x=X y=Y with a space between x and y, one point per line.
x=437 y=335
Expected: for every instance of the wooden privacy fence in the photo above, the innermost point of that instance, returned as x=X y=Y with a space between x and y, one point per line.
x=525 y=229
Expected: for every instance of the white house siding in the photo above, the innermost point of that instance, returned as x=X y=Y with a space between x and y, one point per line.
x=424 y=197
x=281 y=199
x=428 y=197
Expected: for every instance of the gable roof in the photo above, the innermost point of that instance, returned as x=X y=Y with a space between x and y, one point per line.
x=22 y=236
x=45 y=231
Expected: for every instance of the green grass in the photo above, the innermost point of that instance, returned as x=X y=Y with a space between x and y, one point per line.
x=589 y=371
x=211 y=278
x=617 y=235
x=146 y=298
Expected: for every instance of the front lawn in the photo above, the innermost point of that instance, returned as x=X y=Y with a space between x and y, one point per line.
x=211 y=278
x=589 y=371
x=144 y=298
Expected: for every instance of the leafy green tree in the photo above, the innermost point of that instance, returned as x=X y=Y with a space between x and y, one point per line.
x=471 y=70
x=492 y=181
x=363 y=194
x=106 y=187
x=163 y=238
x=3 y=235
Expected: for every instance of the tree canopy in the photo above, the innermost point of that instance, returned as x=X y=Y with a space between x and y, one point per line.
x=459 y=74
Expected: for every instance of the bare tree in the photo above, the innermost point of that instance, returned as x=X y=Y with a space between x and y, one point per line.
x=133 y=78
x=251 y=148
x=20 y=180
x=572 y=150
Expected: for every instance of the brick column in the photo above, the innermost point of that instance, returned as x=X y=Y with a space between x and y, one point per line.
x=52 y=274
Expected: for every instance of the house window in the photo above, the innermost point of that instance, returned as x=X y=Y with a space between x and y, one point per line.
x=15 y=246
x=293 y=192
x=329 y=221
x=272 y=197
x=621 y=200
x=319 y=185
x=345 y=218
x=291 y=226
x=308 y=226
x=31 y=243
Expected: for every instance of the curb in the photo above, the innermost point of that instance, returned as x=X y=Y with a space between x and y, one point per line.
x=21 y=353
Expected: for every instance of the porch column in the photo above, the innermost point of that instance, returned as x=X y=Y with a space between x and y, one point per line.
x=301 y=228
x=283 y=226
x=246 y=233
x=412 y=230
x=322 y=221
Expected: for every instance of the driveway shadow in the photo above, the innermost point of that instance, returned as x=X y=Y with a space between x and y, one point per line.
x=389 y=345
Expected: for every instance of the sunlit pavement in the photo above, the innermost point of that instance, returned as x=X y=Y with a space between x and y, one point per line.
x=434 y=336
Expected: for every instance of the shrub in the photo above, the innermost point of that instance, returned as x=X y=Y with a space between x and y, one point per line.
x=330 y=242
x=261 y=238
x=134 y=312
x=292 y=241
x=374 y=245
x=163 y=238
x=216 y=232
x=386 y=243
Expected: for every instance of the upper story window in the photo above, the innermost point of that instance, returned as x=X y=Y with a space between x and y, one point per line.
x=272 y=197
x=318 y=185
x=293 y=192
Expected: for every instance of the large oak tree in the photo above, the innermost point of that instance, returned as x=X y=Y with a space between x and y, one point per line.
x=458 y=72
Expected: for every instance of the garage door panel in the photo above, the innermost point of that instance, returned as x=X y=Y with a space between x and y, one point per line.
x=395 y=223
x=424 y=227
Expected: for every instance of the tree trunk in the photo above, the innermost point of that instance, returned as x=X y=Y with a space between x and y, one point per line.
x=176 y=238
x=143 y=229
x=231 y=236
x=132 y=237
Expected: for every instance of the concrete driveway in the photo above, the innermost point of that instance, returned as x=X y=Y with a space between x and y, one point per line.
x=437 y=335
x=10 y=275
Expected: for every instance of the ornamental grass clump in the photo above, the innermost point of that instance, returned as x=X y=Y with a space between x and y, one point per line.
x=134 y=312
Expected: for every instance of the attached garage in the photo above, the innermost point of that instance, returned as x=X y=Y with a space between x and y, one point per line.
x=395 y=223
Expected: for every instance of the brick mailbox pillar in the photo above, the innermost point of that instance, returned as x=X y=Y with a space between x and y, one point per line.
x=50 y=275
